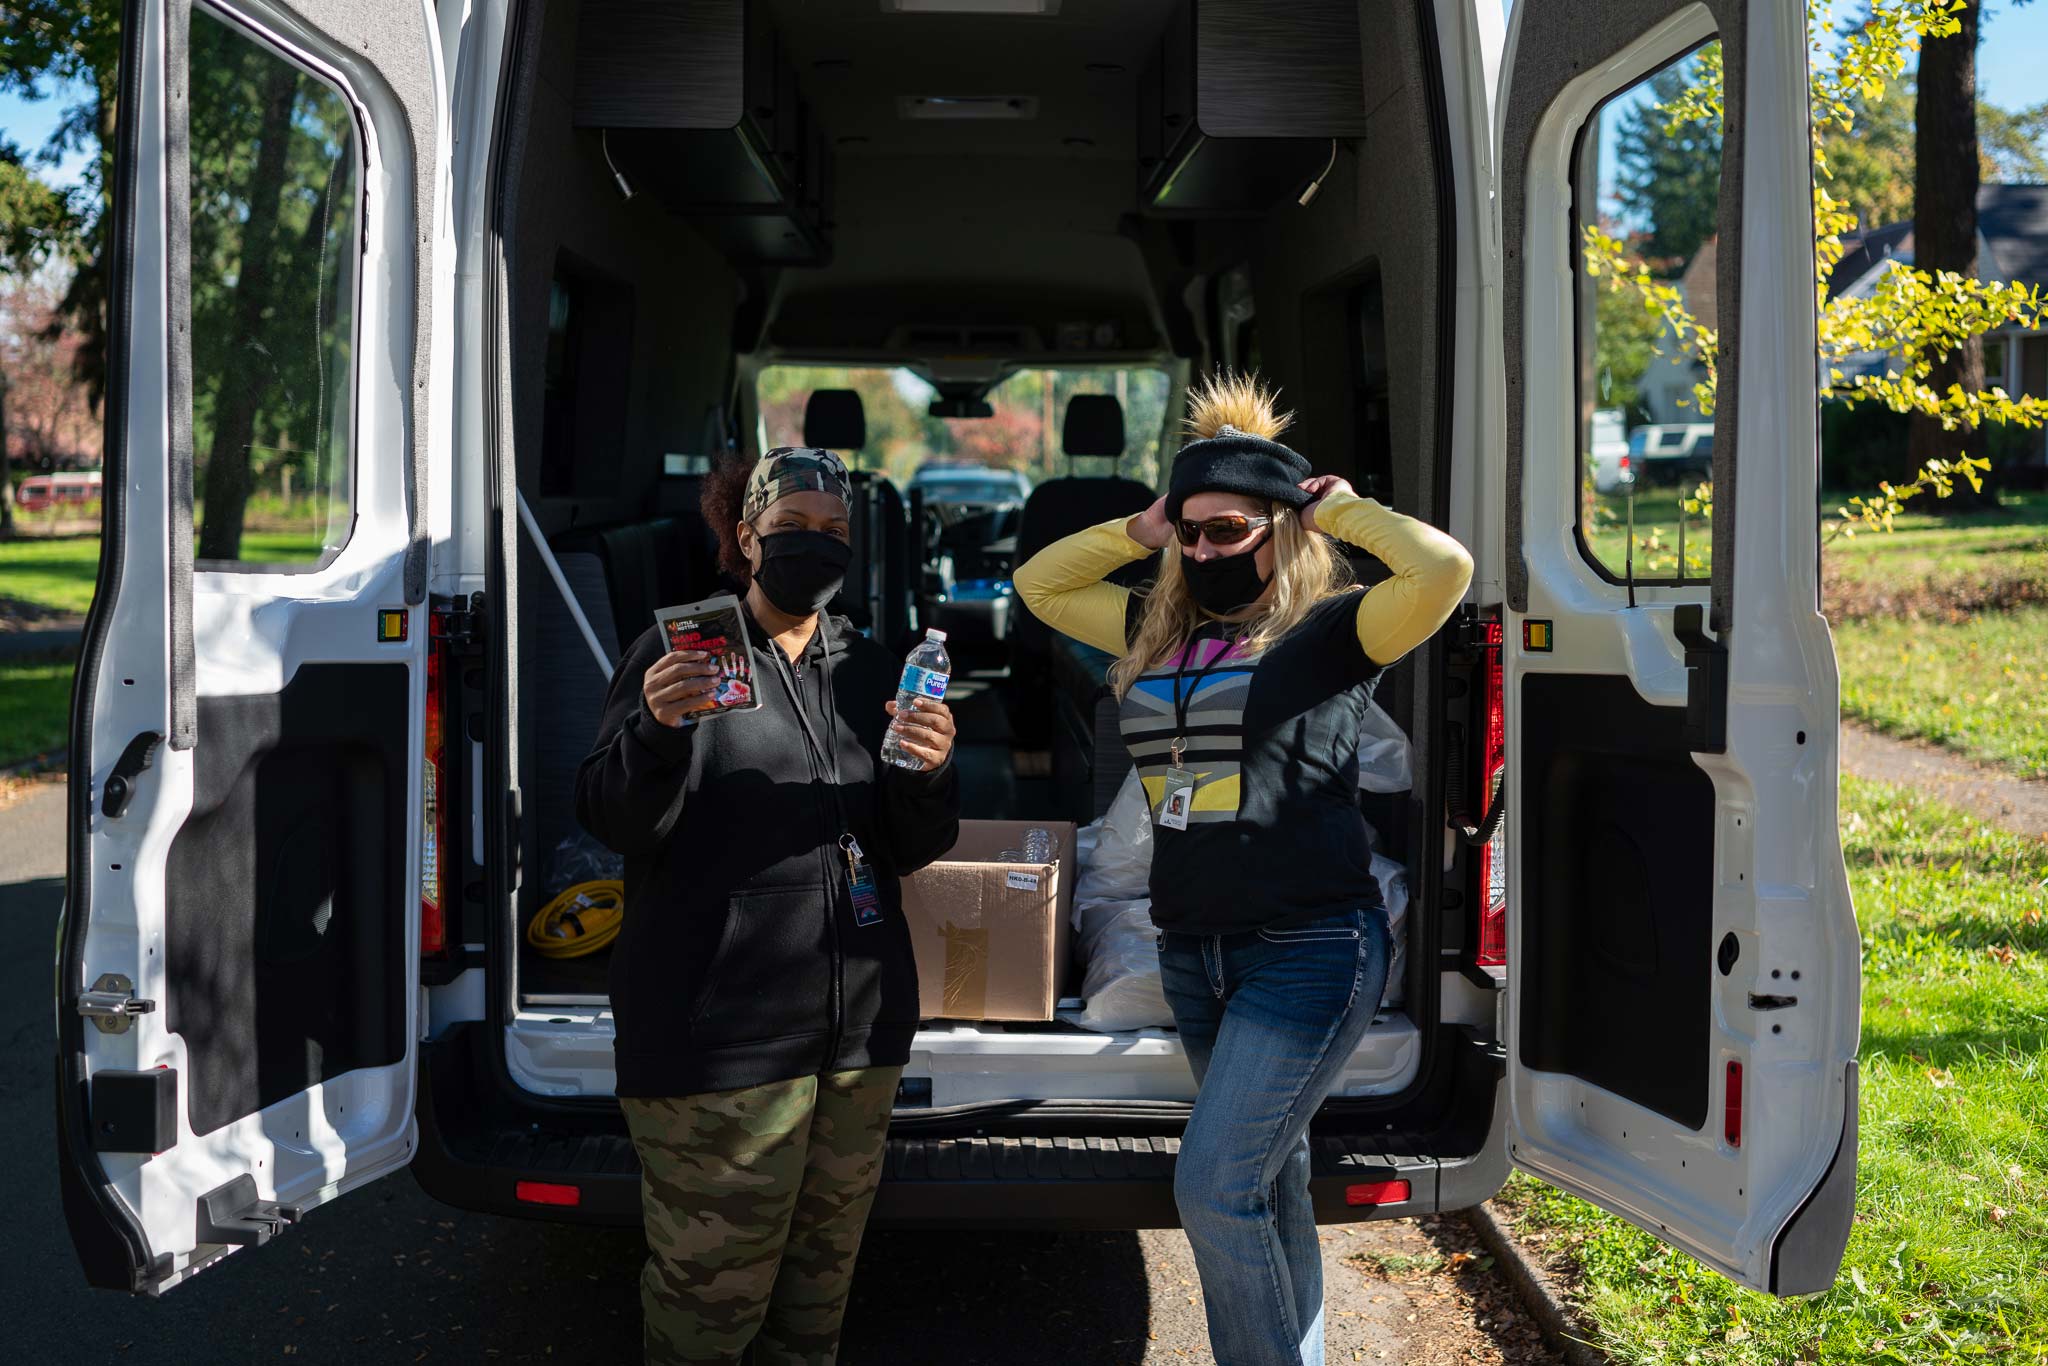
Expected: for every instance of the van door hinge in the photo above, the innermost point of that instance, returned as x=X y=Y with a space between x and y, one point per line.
x=459 y=621
x=232 y=1214
x=112 y=1004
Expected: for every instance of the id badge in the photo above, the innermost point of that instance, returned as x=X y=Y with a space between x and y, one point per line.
x=867 y=902
x=1177 y=798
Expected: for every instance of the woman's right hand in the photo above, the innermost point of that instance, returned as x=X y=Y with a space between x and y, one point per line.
x=1150 y=527
x=677 y=682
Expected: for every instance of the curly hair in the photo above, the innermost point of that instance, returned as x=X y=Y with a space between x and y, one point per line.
x=723 y=495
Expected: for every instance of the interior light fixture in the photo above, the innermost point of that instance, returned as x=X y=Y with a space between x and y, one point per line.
x=970 y=6
x=967 y=106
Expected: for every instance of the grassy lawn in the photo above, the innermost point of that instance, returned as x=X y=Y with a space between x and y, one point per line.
x=1942 y=568
x=1948 y=1258
x=57 y=574
x=35 y=705
x=1974 y=687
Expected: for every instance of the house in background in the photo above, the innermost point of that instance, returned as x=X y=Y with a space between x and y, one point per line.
x=2012 y=244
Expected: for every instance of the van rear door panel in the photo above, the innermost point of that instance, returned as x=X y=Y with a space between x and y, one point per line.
x=239 y=948
x=1683 y=957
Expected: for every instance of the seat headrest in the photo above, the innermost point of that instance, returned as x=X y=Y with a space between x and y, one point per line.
x=834 y=420
x=1094 y=426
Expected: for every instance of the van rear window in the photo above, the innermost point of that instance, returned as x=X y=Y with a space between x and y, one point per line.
x=1649 y=167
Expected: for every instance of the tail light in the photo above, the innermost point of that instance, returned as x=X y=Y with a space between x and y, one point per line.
x=433 y=809
x=1493 y=861
x=1731 y=1106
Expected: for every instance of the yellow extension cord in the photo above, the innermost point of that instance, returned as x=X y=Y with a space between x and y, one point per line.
x=582 y=920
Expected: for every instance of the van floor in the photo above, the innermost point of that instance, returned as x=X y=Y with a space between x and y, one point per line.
x=990 y=789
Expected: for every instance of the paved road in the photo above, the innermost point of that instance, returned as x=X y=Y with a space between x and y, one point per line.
x=387 y=1275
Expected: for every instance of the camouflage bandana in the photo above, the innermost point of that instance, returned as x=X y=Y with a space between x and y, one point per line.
x=794 y=469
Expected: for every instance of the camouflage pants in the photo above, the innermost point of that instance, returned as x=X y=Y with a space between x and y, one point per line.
x=754 y=1202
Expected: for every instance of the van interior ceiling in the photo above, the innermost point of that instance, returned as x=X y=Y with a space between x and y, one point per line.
x=694 y=193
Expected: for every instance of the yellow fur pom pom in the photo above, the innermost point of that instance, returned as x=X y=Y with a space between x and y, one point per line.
x=1225 y=399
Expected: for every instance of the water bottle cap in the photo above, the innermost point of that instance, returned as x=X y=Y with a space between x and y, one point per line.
x=934 y=633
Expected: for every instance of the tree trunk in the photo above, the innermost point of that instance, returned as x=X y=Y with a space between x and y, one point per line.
x=1945 y=172
x=246 y=386
x=6 y=470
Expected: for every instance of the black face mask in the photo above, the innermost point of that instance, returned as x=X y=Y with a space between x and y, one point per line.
x=1225 y=584
x=801 y=570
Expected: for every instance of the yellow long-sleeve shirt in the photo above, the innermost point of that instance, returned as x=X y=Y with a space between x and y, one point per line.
x=1063 y=582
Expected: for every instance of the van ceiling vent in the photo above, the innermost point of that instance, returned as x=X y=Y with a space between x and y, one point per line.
x=970 y=6
x=967 y=106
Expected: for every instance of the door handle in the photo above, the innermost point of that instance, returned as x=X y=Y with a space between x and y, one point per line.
x=1706 y=682
x=121 y=782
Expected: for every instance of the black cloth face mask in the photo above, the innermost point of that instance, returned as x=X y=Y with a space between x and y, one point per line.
x=801 y=570
x=1225 y=584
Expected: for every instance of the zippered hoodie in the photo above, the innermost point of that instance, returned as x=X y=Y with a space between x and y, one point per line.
x=740 y=961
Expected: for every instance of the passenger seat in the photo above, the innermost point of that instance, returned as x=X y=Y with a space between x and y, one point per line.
x=878 y=584
x=1094 y=428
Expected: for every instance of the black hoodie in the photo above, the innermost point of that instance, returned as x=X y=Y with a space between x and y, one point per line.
x=740 y=961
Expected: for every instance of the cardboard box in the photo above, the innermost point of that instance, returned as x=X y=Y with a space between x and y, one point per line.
x=992 y=939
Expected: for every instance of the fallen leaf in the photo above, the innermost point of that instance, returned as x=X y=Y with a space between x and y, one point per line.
x=1997 y=1214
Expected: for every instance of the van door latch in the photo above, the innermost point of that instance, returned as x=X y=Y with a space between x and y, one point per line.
x=121 y=782
x=112 y=1004
x=1706 y=682
x=1757 y=1002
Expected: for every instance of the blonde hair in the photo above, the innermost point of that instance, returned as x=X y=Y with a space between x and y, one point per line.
x=1305 y=569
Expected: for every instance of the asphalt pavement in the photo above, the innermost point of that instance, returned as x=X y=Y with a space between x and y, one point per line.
x=387 y=1275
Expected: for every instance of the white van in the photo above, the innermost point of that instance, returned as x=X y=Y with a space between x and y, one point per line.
x=523 y=252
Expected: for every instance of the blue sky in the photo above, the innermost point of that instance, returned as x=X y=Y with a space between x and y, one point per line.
x=2009 y=66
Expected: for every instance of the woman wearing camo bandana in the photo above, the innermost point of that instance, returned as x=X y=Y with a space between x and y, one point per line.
x=763 y=984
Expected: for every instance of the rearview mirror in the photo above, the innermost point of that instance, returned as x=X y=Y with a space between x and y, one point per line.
x=961 y=407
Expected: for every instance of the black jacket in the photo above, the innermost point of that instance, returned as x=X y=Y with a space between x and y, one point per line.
x=740 y=961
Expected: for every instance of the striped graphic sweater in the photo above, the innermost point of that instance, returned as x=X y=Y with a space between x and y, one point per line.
x=1274 y=836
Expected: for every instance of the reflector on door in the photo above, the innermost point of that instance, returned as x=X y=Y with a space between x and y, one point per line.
x=1536 y=636
x=391 y=624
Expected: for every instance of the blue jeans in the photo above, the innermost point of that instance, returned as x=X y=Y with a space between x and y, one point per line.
x=1268 y=1019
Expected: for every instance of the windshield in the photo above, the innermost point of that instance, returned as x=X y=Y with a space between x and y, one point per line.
x=941 y=490
x=1023 y=435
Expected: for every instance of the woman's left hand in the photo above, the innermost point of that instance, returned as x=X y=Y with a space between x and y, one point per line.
x=927 y=731
x=1318 y=488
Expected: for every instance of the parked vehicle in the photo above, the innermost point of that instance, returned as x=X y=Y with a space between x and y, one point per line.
x=40 y=492
x=1672 y=452
x=971 y=484
x=312 y=807
x=1608 y=452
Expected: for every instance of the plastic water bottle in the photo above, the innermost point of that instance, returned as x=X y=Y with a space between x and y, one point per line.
x=925 y=674
x=1040 y=846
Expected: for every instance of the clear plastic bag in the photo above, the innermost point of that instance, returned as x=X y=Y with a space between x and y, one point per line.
x=1383 y=761
x=1120 y=986
x=1115 y=852
x=580 y=858
x=1393 y=880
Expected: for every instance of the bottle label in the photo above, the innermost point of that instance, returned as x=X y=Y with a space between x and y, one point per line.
x=923 y=682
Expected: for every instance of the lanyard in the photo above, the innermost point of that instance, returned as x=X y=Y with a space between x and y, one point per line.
x=1181 y=700
x=824 y=755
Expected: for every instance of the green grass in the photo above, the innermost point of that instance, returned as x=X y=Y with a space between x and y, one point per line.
x=57 y=574
x=1945 y=567
x=1948 y=1256
x=35 y=707
x=1659 y=515
x=1976 y=687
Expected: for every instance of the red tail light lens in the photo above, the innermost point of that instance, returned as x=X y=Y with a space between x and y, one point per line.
x=1493 y=861
x=1731 y=1107
x=547 y=1193
x=1377 y=1193
x=433 y=811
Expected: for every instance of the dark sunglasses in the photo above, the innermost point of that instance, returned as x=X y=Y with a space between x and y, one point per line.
x=1225 y=529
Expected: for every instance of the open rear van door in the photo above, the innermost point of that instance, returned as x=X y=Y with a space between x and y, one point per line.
x=238 y=956
x=1682 y=952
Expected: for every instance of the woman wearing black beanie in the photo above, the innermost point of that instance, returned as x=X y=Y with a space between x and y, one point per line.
x=1243 y=674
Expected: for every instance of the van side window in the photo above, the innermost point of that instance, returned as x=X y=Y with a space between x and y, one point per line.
x=585 y=381
x=1646 y=188
x=276 y=175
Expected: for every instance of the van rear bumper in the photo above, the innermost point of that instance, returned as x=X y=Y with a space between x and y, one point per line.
x=478 y=1151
